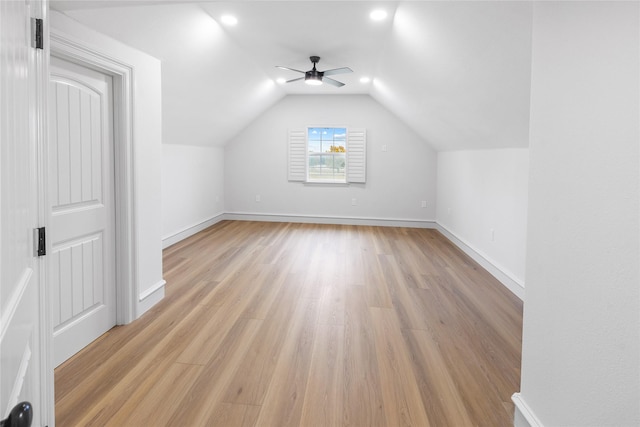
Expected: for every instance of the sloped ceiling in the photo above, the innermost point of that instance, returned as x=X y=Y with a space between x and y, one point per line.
x=458 y=73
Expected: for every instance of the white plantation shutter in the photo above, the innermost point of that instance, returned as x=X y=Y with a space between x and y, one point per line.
x=297 y=155
x=356 y=155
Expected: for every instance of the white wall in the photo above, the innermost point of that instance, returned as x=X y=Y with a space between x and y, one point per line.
x=485 y=190
x=146 y=156
x=581 y=334
x=192 y=189
x=397 y=180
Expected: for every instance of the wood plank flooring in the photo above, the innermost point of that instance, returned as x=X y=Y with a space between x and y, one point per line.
x=280 y=324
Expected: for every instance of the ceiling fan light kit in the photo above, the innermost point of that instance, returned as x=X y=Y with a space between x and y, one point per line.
x=314 y=77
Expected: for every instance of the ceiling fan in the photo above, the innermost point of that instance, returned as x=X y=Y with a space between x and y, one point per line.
x=315 y=77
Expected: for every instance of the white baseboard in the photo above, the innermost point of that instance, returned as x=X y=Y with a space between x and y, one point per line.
x=148 y=292
x=190 y=231
x=510 y=282
x=150 y=297
x=524 y=416
x=382 y=222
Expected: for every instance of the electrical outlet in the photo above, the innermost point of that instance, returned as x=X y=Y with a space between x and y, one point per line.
x=258 y=198
x=424 y=203
x=493 y=234
x=353 y=201
x=384 y=147
x=217 y=199
x=449 y=211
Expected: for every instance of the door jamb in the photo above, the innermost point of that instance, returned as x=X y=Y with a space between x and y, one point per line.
x=77 y=52
x=38 y=102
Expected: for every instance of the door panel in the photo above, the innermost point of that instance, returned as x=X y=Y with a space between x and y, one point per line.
x=77 y=139
x=22 y=375
x=82 y=262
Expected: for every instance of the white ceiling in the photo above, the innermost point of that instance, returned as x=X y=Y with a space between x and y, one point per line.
x=458 y=73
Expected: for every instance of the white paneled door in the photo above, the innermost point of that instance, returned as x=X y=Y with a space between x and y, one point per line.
x=81 y=195
x=23 y=311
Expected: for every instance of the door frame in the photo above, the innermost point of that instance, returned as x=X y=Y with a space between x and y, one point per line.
x=40 y=105
x=63 y=47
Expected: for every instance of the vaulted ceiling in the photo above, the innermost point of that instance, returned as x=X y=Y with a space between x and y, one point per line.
x=458 y=73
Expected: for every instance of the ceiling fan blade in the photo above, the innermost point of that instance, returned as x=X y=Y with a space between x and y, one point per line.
x=332 y=82
x=295 y=80
x=337 y=71
x=290 y=69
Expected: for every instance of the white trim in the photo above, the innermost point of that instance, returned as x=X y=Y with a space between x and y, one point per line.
x=327 y=183
x=14 y=301
x=45 y=334
x=62 y=46
x=189 y=231
x=342 y=220
x=150 y=297
x=506 y=278
x=148 y=292
x=525 y=412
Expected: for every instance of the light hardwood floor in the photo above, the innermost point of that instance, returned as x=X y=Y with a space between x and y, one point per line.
x=279 y=324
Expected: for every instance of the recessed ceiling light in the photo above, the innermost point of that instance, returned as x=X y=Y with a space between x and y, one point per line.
x=229 y=20
x=365 y=79
x=378 y=15
x=280 y=80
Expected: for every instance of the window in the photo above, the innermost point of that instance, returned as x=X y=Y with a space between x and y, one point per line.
x=327 y=155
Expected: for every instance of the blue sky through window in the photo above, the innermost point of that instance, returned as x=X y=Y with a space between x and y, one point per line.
x=321 y=139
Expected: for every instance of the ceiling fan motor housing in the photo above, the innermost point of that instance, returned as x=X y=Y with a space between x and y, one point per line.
x=315 y=77
x=314 y=74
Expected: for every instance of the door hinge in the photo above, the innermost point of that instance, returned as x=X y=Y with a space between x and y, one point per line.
x=41 y=241
x=37 y=33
